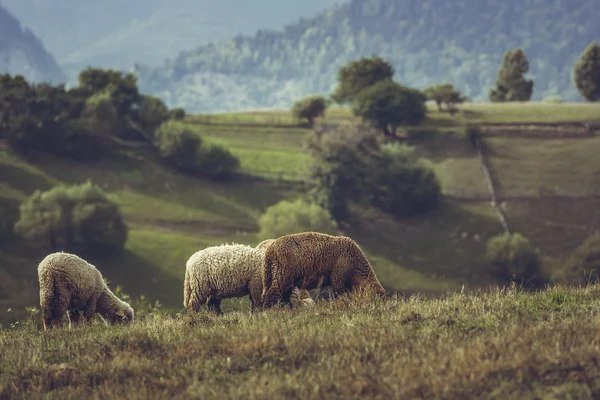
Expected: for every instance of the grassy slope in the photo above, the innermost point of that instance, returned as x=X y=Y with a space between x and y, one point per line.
x=501 y=345
x=171 y=215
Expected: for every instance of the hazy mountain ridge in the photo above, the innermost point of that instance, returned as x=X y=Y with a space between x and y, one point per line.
x=22 y=53
x=462 y=42
x=117 y=34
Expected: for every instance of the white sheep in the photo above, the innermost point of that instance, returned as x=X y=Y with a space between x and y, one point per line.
x=228 y=270
x=69 y=283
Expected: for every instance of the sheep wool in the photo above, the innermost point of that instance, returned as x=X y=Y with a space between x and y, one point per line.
x=264 y=244
x=70 y=284
x=219 y=272
x=311 y=259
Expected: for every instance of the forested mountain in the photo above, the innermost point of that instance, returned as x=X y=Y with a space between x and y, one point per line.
x=21 y=52
x=116 y=33
x=428 y=41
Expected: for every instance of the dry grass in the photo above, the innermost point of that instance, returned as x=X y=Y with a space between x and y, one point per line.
x=505 y=344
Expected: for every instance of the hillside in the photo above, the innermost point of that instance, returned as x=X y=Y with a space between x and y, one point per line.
x=21 y=52
x=116 y=34
x=428 y=42
x=171 y=215
x=502 y=345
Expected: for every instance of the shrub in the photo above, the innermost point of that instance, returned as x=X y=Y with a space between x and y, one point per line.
x=178 y=145
x=513 y=257
x=406 y=185
x=309 y=108
x=287 y=217
x=176 y=114
x=583 y=265
x=78 y=218
x=184 y=149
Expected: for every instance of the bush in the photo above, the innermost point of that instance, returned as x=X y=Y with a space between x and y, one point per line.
x=78 y=218
x=287 y=217
x=178 y=145
x=583 y=265
x=389 y=105
x=406 y=185
x=184 y=149
x=310 y=108
x=513 y=257
x=216 y=162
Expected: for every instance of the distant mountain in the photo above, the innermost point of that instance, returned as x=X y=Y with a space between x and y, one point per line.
x=428 y=41
x=116 y=33
x=22 y=53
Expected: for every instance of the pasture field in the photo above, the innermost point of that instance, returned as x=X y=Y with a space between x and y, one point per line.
x=502 y=344
x=546 y=186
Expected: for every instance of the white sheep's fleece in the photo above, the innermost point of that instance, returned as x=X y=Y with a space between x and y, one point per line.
x=70 y=283
x=224 y=271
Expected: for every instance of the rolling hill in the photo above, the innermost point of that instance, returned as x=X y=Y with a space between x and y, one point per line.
x=428 y=42
x=22 y=52
x=171 y=215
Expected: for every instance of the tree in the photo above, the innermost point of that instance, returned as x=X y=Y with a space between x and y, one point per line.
x=587 y=73
x=78 y=218
x=511 y=84
x=445 y=94
x=287 y=217
x=512 y=256
x=360 y=74
x=339 y=167
x=388 y=105
x=310 y=108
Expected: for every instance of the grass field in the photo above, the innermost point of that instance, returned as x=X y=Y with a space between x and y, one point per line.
x=171 y=215
x=505 y=344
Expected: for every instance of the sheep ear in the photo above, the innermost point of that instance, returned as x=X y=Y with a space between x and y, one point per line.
x=120 y=314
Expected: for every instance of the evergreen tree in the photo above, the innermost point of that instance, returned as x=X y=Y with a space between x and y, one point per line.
x=511 y=84
x=587 y=73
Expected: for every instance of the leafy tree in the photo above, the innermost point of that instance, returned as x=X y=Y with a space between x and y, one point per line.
x=287 y=217
x=511 y=84
x=9 y=215
x=78 y=218
x=122 y=87
x=445 y=94
x=405 y=185
x=360 y=74
x=583 y=265
x=587 y=73
x=309 y=108
x=388 y=105
x=513 y=257
x=339 y=167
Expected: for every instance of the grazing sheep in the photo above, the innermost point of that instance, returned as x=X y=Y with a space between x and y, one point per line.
x=312 y=259
x=221 y=272
x=69 y=283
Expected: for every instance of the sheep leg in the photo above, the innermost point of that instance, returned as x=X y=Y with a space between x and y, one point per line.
x=338 y=282
x=215 y=305
x=74 y=318
x=90 y=310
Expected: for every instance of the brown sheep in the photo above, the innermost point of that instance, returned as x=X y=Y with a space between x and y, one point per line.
x=310 y=260
x=264 y=244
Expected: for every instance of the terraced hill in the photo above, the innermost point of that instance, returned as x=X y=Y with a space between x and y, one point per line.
x=547 y=187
